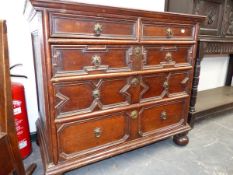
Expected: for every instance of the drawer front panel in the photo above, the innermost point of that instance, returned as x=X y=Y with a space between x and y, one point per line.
x=155 y=31
x=78 y=26
x=167 y=56
x=98 y=59
x=92 y=134
x=91 y=95
x=90 y=59
x=165 y=85
x=159 y=117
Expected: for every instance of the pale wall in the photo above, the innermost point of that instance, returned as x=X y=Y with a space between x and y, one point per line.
x=20 y=50
x=213 y=71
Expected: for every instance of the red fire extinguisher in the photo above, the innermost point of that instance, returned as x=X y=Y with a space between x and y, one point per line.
x=20 y=116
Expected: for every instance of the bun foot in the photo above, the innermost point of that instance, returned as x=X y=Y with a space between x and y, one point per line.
x=181 y=139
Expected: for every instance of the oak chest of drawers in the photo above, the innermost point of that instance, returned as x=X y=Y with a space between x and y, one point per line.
x=109 y=79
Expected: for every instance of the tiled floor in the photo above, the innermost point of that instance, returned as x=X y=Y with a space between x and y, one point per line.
x=210 y=152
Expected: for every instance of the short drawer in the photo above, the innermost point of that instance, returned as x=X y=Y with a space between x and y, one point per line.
x=154 y=31
x=165 y=85
x=78 y=26
x=157 y=118
x=90 y=135
x=159 y=57
x=89 y=59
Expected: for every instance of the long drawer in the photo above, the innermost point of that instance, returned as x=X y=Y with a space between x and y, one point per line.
x=80 y=97
x=99 y=59
x=91 y=135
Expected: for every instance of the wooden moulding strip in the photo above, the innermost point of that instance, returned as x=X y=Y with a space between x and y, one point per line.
x=116 y=41
x=112 y=75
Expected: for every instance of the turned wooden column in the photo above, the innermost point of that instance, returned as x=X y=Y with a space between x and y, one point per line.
x=229 y=71
x=196 y=77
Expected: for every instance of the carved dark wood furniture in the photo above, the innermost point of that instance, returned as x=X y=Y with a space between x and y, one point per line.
x=109 y=79
x=10 y=158
x=216 y=37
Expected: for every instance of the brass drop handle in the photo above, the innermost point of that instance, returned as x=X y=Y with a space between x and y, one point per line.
x=97 y=132
x=134 y=81
x=166 y=85
x=98 y=29
x=168 y=57
x=163 y=115
x=96 y=60
x=134 y=114
x=96 y=93
x=169 y=32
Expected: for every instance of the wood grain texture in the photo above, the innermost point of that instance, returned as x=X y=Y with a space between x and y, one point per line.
x=151 y=30
x=153 y=119
x=6 y=155
x=114 y=79
x=79 y=26
x=92 y=135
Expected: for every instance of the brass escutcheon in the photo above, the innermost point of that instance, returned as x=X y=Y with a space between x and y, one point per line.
x=96 y=93
x=169 y=32
x=97 y=132
x=137 y=50
x=168 y=57
x=98 y=29
x=96 y=60
x=163 y=115
x=134 y=81
x=134 y=114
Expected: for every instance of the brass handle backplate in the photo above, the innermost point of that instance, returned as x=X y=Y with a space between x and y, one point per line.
x=97 y=132
x=137 y=50
x=163 y=115
x=96 y=93
x=169 y=32
x=134 y=114
x=134 y=81
x=98 y=29
x=96 y=60
x=168 y=57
